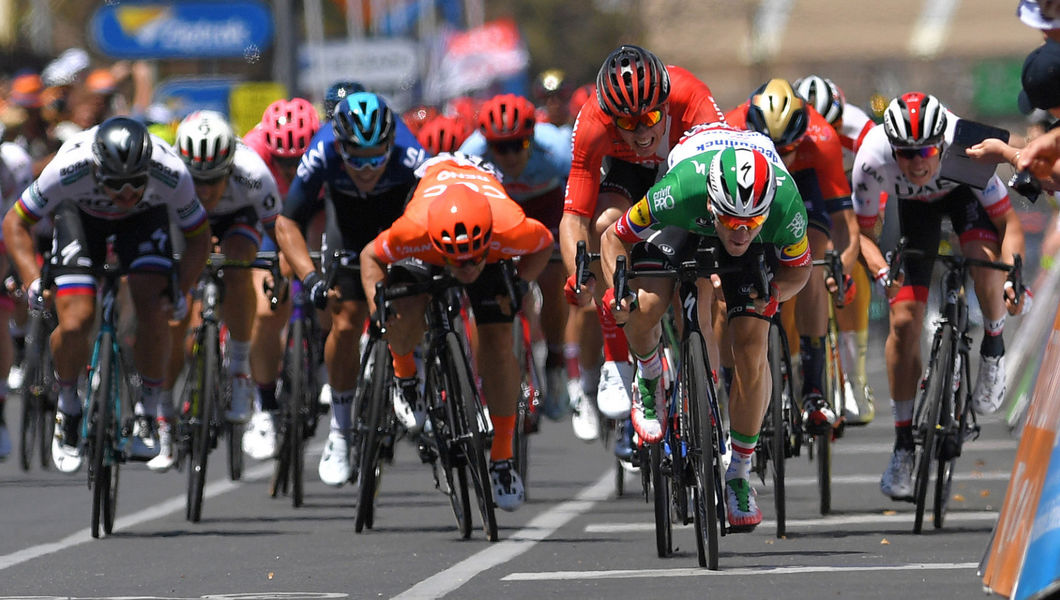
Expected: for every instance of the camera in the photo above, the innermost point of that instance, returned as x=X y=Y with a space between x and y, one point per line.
x=1026 y=185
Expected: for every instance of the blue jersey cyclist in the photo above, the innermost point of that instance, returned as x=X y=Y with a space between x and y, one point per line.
x=365 y=162
x=535 y=160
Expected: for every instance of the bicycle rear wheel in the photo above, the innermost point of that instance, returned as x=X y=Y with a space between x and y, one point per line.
x=296 y=368
x=661 y=493
x=204 y=404
x=469 y=418
x=373 y=428
x=702 y=451
x=939 y=378
x=778 y=438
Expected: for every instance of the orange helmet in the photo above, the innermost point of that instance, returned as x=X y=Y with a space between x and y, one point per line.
x=443 y=134
x=460 y=223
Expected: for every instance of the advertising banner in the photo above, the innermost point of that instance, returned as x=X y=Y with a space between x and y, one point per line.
x=472 y=60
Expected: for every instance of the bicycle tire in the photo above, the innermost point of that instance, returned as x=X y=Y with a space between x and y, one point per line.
x=33 y=371
x=778 y=442
x=835 y=395
x=947 y=465
x=927 y=417
x=372 y=438
x=206 y=382
x=101 y=415
x=620 y=478
x=468 y=414
x=49 y=400
x=661 y=495
x=456 y=487
x=233 y=433
x=702 y=451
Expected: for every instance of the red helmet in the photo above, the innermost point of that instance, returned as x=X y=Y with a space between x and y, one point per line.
x=460 y=223
x=506 y=117
x=580 y=97
x=915 y=119
x=631 y=81
x=443 y=134
x=418 y=116
x=289 y=125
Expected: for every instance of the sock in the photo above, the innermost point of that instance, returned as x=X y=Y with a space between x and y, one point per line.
x=862 y=354
x=589 y=379
x=149 y=395
x=341 y=407
x=572 y=352
x=503 y=430
x=404 y=365
x=743 y=448
x=69 y=403
x=993 y=343
x=903 y=423
x=615 y=346
x=238 y=357
x=164 y=408
x=649 y=366
x=811 y=350
x=267 y=396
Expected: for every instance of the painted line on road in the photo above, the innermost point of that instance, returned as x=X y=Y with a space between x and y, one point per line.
x=175 y=504
x=840 y=448
x=867 y=519
x=875 y=479
x=539 y=528
x=687 y=572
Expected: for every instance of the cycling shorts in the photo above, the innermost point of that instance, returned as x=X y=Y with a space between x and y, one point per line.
x=243 y=222
x=625 y=178
x=489 y=296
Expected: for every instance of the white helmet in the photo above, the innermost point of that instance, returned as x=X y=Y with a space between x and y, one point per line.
x=207 y=144
x=823 y=95
x=914 y=119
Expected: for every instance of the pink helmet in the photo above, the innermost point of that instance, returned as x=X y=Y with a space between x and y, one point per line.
x=289 y=125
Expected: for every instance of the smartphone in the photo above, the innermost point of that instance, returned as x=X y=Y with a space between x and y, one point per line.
x=957 y=165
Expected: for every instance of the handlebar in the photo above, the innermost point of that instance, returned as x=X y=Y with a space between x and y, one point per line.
x=582 y=259
x=833 y=262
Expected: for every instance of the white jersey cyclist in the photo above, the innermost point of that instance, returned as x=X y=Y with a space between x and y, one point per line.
x=853 y=128
x=876 y=179
x=68 y=178
x=250 y=185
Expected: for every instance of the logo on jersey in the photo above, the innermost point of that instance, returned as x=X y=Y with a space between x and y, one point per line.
x=662 y=200
x=72 y=173
x=797 y=226
x=168 y=176
x=247 y=182
x=640 y=214
x=797 y=249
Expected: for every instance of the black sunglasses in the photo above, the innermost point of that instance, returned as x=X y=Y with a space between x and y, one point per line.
x=510 y=146
x=137 y=182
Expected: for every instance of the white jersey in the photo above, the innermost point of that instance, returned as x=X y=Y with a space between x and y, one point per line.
x=250 y=184
x=718 y=136
x=16 y=172
x=877 y=179
x=70 y=177
x=855 y=126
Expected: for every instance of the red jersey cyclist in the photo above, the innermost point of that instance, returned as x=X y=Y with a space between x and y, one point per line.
x=902 y=159
x=813 y=154
x=620 y=142
x=461 y=219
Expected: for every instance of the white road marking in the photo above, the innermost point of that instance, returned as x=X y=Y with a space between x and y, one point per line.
x=686 y=572
x=875 y=479
x=539 y=528
x=841 y=448
x=829 y=521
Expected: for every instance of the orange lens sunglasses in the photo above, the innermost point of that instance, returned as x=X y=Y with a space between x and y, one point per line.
x=648 y=119
x=735 y=223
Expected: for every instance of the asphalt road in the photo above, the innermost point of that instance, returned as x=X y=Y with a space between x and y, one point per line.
x=573 y=539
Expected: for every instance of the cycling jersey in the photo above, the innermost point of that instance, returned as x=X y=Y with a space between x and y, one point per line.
x=854 y=126
x=70 y=177
x=596 y=136
x=717 y=136
x=321 y=164
x=547 y=168
x=513 y=234
x=250 y=185
x=255 y=140
x=818 y=162
x=16 y=172
x=679 y=200
x=877 y=178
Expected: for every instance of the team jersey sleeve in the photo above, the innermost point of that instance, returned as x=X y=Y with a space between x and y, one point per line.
x=583 y=183
x=527 y=237
x=994 y=197
x=190 y=215
x=664 y=204
x=867 y=178
x=308 y=181
x=790 y=237
x=699 y=103
x=404 y=239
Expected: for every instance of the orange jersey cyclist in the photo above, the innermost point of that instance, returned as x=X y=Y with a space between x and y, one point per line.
x=461 y=219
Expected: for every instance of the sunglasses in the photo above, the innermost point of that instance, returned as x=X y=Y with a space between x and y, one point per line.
x=648 y=119
x=136 y=182
x=363 y=162
x=736 y=223
x=510 y=146
x=469 y=262
x=211 y=180
x=911 y=153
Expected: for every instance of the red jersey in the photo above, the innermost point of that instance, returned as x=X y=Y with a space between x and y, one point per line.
x=255 y=138
x=596 y=136
x=513 y=233
x=820 y=151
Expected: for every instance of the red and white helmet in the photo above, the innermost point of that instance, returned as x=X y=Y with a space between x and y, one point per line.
x=915 y=119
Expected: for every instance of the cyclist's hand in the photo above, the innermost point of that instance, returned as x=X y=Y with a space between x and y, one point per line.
x=317 y=289
x=767 y=307
x=619 y=309
x=34 y=296
x=180 y=307
x=850 y=291
x=579 y=295
x=1017 y=306
x=881 y=277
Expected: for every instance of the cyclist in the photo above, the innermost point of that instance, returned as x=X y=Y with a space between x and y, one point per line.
x=812 y=153
x=338 y=92
x=852 y=124
x=552 y=91
x=460 y=218
x=240 y=196
x=729 y=189
x=366 y=161
x=443 y=133
x=16 y=173
x=113 y=179
x=287 y=127
x=900 y=161
x=642 y=108
x=535 y=160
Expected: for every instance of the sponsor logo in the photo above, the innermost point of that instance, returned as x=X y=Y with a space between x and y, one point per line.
x=797 y=249
x=640 y=214
x=74 y=168
x=247 y=182
x=661 y=199
x=797 y=226
x=667 y=249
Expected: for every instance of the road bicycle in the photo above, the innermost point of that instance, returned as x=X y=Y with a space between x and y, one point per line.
x=943 y=419
x=530 y=391
x=698 y=440
x=39 y=391
x=375 y=426
x=207 y=393
x=460 y=430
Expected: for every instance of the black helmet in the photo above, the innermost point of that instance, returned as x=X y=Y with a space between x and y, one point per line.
x=338 y=92
x=122 y=148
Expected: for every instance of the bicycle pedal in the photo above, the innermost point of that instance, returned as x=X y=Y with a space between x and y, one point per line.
x=971 y=433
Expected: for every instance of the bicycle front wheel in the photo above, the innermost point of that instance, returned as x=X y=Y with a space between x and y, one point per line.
x=939 y=381
x=661 y=493
x=702 y=451
x=102 y=429
x=204 y=404
x=373 y=426
x=779 y=441
x=950 y=445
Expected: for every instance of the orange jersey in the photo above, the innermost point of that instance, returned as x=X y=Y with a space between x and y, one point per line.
x=596 y=136
x=513 y=233
x=820 y=151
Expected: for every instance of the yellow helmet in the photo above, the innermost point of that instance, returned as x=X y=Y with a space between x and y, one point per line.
x=778 y=112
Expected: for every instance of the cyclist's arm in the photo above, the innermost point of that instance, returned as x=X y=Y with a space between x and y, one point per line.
x=197 y=248
x=611 y=247
x=18 y=238
x=292 y=243
x=1011 y=232
x=789 y=280
x=572 y=229
x=848 y=227
x=373 y=270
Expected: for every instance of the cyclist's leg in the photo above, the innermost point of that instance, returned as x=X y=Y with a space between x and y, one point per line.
x=811 y=319
x=405 y=329
x=748 y=400
x=239 y=241
x=266 y=356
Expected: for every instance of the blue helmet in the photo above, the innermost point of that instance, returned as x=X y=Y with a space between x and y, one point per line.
x=338 y=92
x=363 y=120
